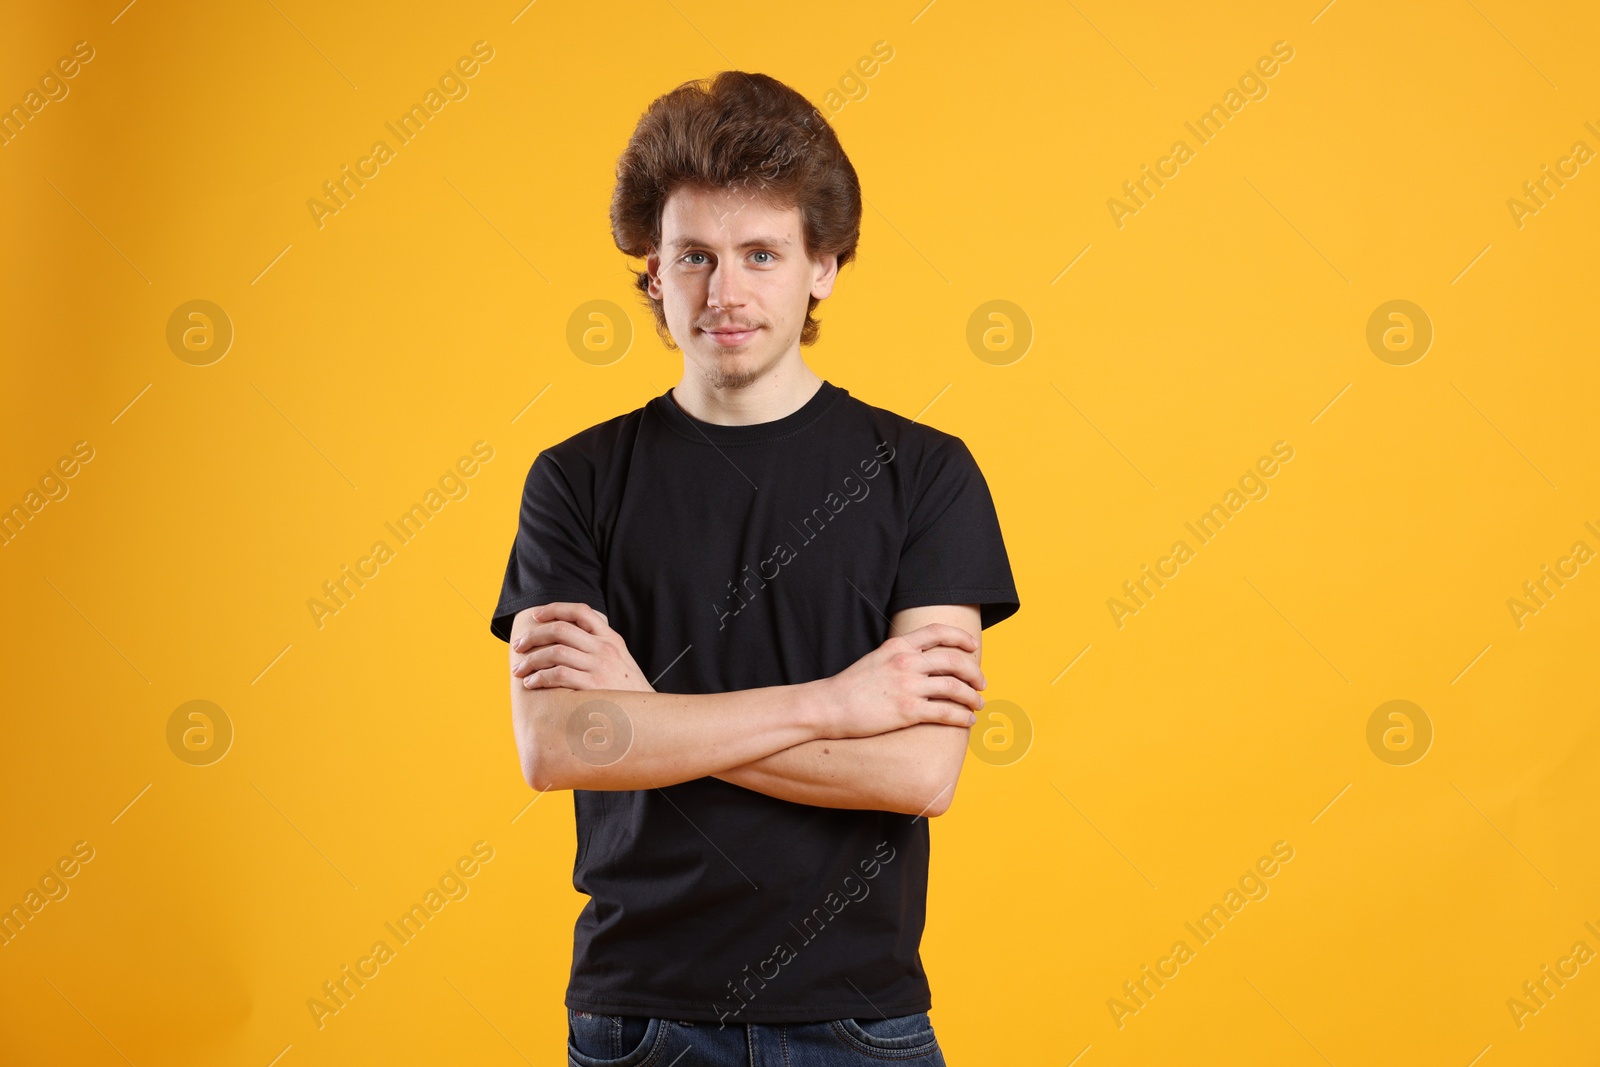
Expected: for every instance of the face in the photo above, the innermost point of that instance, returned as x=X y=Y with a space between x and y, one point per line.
x=734 y=279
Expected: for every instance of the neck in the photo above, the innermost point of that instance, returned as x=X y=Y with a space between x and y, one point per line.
x=781 y=391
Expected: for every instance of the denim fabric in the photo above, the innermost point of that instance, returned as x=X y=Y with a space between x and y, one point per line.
x=595 y=1040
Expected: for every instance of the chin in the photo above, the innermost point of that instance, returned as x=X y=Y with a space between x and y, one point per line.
x=735 y=370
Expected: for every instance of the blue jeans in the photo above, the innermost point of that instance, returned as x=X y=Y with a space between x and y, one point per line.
x=595 y=1040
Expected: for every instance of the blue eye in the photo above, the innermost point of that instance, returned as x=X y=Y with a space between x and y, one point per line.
x=694 y=254
x=761 y=253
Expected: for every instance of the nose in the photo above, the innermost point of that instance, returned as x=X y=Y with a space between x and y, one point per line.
x=726 y=288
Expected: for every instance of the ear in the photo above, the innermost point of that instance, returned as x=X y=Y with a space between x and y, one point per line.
x=652 y=264
x=824 y=270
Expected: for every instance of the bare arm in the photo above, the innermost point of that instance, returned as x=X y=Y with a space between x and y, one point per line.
x=585 y=718
x=911 y=770
x=623 y=739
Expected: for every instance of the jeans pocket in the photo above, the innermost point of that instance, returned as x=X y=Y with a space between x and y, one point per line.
x=896 y=1037
x=596 y=1040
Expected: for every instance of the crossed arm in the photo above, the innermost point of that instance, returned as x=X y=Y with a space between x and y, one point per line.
x=915 y=765
x=911 y=769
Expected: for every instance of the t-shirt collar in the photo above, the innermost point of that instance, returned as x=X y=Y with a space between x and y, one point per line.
x=688 y=426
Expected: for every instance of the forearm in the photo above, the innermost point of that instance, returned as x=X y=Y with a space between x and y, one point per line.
x=640 y=740
x=911 y=770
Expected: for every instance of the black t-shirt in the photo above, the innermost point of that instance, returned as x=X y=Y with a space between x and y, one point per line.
x=738 y=557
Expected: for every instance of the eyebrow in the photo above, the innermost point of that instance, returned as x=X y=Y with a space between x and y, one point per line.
x=754 y=242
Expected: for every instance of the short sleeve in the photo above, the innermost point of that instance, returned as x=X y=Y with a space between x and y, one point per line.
x=954 y=552
x=554 y=555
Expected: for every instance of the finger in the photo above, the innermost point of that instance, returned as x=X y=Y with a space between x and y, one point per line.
x=949 y=713
x=947 y=687
x=551 y=656
x=945 y=660
x=558 y=632
x=579 y=614
x=560 y=677
x=941 y=633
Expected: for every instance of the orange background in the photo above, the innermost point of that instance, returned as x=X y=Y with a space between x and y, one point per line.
x=432 y=311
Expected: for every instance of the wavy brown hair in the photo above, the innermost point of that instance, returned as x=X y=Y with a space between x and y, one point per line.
x=748 y=133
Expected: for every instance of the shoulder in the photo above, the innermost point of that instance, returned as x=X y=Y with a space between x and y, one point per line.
x=601 y=439
x=918 y=447
x=586 y=456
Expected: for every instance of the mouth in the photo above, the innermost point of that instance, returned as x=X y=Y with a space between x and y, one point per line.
x=731 y=338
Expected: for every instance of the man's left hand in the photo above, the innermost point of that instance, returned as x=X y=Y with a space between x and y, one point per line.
x=572 y=646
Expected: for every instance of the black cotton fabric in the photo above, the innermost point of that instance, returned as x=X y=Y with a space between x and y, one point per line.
x=737 y=557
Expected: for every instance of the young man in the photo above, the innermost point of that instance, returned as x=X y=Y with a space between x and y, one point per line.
x=744 y=624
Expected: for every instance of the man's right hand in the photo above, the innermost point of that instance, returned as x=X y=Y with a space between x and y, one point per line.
x=926 y=675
